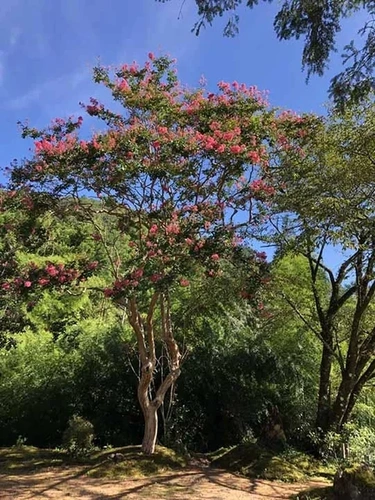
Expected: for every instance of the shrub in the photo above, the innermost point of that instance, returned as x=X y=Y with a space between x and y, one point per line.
x=79 y=436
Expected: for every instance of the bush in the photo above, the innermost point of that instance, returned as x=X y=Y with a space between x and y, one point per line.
x=355 y=482
x=359 y=443
x=79 y=436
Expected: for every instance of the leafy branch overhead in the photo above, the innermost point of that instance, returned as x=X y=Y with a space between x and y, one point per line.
x=318 y=23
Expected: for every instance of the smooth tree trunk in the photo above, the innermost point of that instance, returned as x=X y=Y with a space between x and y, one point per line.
x=151 y=429
x=144 y=330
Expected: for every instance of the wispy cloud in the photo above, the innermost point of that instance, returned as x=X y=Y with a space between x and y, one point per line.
x=57 y=88
x=61 y=68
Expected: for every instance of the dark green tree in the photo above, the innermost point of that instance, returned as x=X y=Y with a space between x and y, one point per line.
x=326 y=203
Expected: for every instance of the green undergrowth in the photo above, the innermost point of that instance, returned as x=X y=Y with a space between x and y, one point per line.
x=128 y=461
x=252 y=460
x=316 y=494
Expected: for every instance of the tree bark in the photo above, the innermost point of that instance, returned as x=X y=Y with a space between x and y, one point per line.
x=144 y=331
x=151 y=429
x=347 y=396
x=324 y=403
x=340 y=406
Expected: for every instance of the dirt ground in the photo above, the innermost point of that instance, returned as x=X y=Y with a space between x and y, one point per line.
x=193 y=483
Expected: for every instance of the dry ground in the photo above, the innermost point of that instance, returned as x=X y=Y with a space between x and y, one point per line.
x=204 y=483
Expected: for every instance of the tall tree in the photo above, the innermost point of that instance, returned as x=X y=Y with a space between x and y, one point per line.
x=326 y=202
x=318 y=22
x=184 y=175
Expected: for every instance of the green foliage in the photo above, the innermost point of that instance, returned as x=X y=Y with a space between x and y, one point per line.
x=359 y=442
x=87 y=372
x=254 y=461
x=78 y=437
x=327 y=203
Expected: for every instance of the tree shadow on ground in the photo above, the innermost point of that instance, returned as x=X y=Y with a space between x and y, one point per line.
x=210 y=484
x=321 y=493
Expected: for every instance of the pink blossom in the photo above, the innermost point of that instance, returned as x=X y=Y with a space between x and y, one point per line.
x=214 y=125
x=133 y=68
x=228 y=136
x=215 y=257
x=92 y=265
x=224 y=86
x=172 y=228
x=261 y=255
x=154 y=229
x=184 y=282
x=254 y=156
x=51 y=270
x=138 y=273
x=27 y=284
x=237 y=149
x=5 y=286
x=123 y=86
x=156 y=277
x=43 y=281
x=163 y=130
x=151 y=56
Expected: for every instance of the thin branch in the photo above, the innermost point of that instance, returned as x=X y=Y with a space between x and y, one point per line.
x=306 y=322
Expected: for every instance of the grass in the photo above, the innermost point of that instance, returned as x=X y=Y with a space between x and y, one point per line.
x=112 y=463
x=252 y=460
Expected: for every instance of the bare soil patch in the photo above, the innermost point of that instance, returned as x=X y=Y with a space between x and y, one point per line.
x=192 y=482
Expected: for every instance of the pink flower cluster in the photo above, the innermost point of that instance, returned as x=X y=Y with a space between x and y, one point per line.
x=260 y=187
x=51 y=274
x=53 y=146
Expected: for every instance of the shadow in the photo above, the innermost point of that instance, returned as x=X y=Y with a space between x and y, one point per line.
x=321 y=493
x=33 y=477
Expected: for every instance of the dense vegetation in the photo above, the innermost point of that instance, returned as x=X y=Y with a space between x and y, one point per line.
x=132 y=265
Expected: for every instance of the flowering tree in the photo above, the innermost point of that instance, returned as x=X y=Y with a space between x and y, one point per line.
x=184 y=173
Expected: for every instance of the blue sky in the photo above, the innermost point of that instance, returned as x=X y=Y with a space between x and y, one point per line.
x=47 y=50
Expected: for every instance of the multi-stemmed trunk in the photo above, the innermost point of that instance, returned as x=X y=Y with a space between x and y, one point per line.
x=144 y=330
